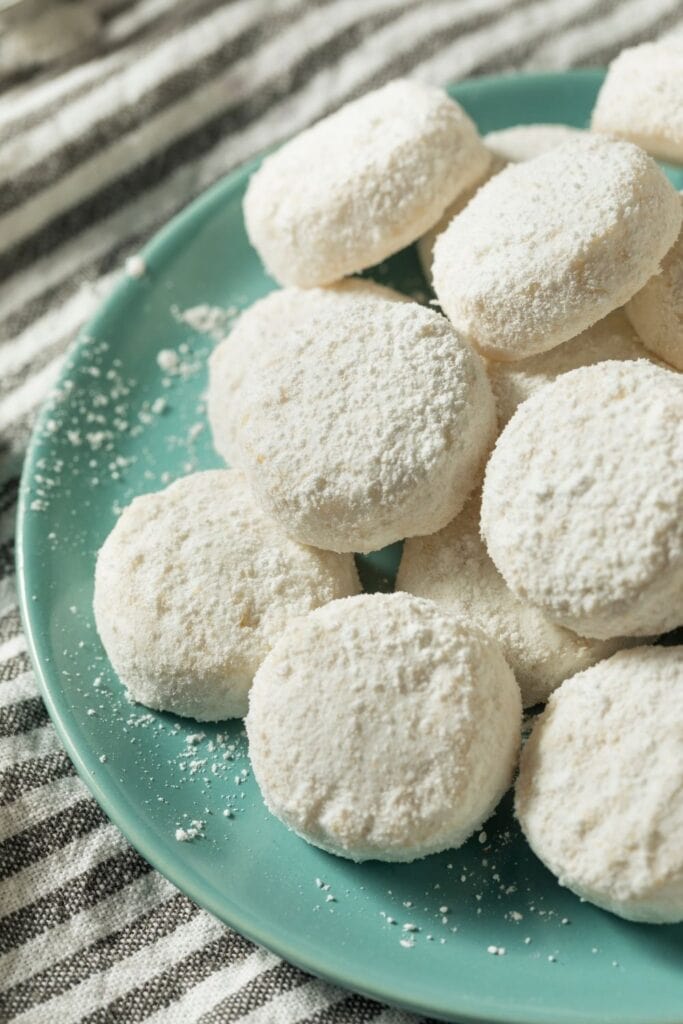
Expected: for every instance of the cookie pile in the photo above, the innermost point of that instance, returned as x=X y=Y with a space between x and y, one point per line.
x=523 y=433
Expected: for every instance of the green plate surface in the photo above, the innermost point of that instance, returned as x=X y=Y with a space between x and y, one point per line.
x=103 y=439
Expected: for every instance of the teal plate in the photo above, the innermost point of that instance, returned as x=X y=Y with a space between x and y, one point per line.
x=119 y=425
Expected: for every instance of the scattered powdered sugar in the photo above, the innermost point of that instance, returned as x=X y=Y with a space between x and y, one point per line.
x=194 y=831
x=167 y=360
x=136 y=266
x=215 y=321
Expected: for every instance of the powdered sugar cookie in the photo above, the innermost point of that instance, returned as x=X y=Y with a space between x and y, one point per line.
x=656 y=311
x=425 y=245
x=610 y=830
x=510 y=145
x=582 y=508
x=641 y=98
x=192 y=588
x=411 y=726
x=611 y=338
x=362 y=183
x=453 y=568
x=367 y=427
x=257 y=333
x=548 y=247
x=526 y=141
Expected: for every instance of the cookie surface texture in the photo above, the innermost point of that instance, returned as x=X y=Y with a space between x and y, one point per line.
x=582 y=507
x=256 y=335
x=609 y=830
x=641 y=99
x=550 y=246
x=366 y=428
x=453 y=568
x=380 y=728
x=192 y=588
x=361 y=184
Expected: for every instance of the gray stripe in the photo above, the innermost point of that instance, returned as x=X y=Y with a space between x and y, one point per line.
x=81 y=893
x=49 y=835
x=53 y=297
x=272 y=982
x=8 y=493
x=25 y=776
x=10 y=625
x=353 y=1009
x=102 y=955
x=15 y=667
x=22 y=716
x=604 y=54
x=403 y=63
x=54 y=347
x=173 y=983
x=519 y=52
x=16 y=437
x=7 y=557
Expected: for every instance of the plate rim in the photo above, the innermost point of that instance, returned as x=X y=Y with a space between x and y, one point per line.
x=142 y=843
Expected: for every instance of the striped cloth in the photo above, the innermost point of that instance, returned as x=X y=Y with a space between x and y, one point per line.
x=96 y=152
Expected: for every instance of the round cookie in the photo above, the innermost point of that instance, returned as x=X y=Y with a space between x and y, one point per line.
x=453 y=568
x=510 y=145
x=656 y=311
x=526 y=141
x=582 y=507
x=548 y=247
x=611 y=338
x=192 y=588
x=600 y=789
x=256 y=334
x=386 y=167
x=411 y=725
x=641 y=98
x=366 y=428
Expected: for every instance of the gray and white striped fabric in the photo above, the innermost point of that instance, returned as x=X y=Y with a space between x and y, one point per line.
x=96 y=152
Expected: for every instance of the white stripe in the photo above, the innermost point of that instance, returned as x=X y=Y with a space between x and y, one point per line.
x=142 y=14
x=132 y=972
x=56 y=324
x=175 y=54
x=214 y=988
x=390 y=1016
x=85 y=928
x=8 y=595
x=38 y=804
x=23 y=101
x=58 y=868
x=10 y=648
x=327 y=88
x=35 y=743
x=240 y=80
x=627 y=18
x=21 y=688
x=296 y=1005
x=459 y=58
x=29 y=394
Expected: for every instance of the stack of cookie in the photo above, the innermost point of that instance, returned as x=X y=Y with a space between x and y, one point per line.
x=527 y=442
